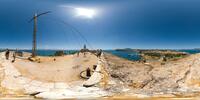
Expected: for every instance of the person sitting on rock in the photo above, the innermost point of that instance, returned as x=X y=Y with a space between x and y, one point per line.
x=88 y=74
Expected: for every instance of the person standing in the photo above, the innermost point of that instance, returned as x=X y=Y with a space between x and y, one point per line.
x=100 y=52
x=78 y=54
x=7 y=54
x=84 y=54
x=14 y=56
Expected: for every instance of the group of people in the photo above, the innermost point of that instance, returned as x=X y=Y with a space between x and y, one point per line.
x=7 y=55
x=98 y=53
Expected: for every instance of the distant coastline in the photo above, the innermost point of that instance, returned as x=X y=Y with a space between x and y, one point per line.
x=135 y=54
x=127 y=53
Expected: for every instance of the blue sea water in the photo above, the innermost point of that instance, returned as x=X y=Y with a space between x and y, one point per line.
x=190 y=51
x=134 y=56
x=50 y=52
x=130 y=55
x=127 y=55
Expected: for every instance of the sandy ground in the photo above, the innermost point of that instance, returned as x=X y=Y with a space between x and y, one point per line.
x=63 y=69
x=17 y=84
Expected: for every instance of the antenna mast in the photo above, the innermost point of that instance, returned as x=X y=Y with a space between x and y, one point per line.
x=34 y=36
x=35 y=17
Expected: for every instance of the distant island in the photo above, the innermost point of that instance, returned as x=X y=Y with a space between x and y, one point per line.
x=156 y=54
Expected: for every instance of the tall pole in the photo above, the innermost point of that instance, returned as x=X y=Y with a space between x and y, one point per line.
x=34 y=36
x=34 y=48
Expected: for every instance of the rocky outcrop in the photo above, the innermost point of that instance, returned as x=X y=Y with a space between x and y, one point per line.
x=192 y=78
x=174 y=77
x=119 y=76
x=96 y=76
x=13 y=81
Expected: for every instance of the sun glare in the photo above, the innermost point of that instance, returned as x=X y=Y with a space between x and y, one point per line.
x=84 y=12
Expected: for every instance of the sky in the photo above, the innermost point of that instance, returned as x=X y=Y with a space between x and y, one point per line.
x=105 y=24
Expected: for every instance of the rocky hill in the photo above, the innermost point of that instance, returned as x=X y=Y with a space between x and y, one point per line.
x=174 y=77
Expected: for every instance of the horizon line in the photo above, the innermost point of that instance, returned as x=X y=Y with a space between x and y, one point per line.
x=102 y=49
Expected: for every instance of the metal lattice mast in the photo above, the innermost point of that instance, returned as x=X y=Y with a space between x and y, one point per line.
x=35 y=17
x=34 y=36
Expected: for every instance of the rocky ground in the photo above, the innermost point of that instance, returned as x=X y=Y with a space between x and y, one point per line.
x=16 y=83
x=116 y=78
x=181 y=77
x=64 y=69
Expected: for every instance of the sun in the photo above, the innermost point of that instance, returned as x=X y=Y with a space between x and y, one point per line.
x=85 y=12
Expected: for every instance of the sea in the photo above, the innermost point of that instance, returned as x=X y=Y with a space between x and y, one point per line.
x=130 y=55
x=51 y=52
x=134 y=56
x=47 y=52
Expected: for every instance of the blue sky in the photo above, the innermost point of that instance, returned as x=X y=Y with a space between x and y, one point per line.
x=117 y=24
